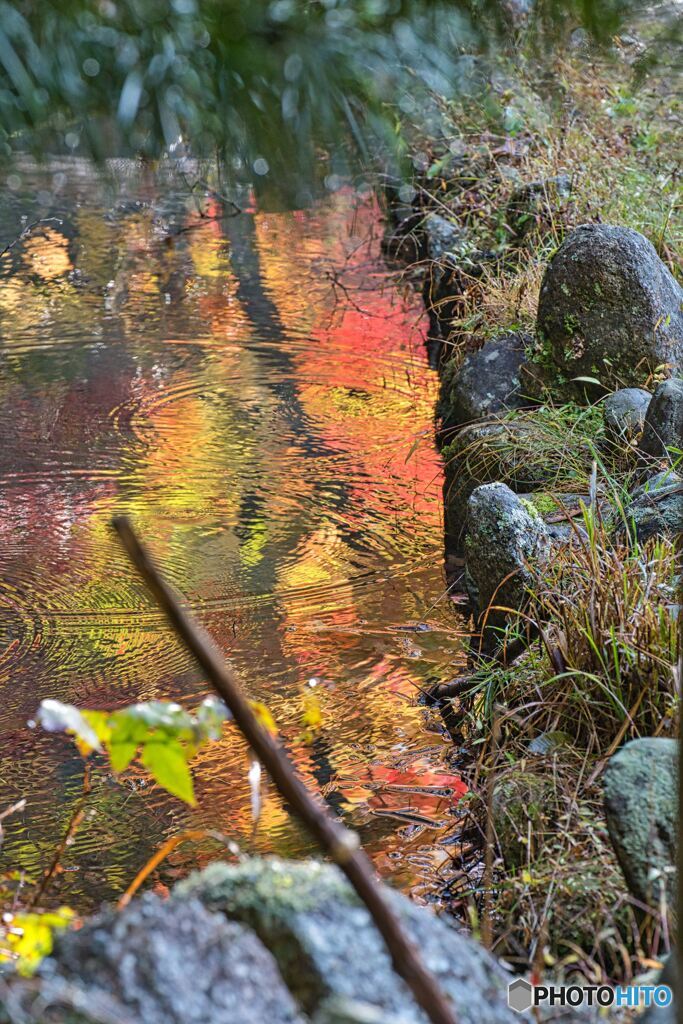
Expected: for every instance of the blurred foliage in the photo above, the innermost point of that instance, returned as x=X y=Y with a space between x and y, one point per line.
x=265 y=84
x=165 y=736
x=26 y=937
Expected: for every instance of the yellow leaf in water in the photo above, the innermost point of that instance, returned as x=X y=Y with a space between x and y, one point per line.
x=312 y=717
x=264 y=716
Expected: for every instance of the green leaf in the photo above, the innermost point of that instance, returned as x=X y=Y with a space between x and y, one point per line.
x=167 y=763
x=121 y=754
x=589 y=380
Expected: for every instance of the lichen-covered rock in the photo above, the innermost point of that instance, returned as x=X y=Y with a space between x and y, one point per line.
x=326 y=944
x=655 y=508
x=483 y=453
x=533 y=208
x=505 y=537
x=641 y=796
x=609 y=308
x=524 y=805
x=624 y=413
x=663 y=429
x=487 y=382
x=172 y=962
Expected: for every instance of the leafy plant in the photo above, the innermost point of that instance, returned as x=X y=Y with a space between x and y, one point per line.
x=161 y=734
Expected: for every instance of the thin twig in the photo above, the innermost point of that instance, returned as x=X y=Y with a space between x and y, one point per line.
x=74 y=824
x=338 y=842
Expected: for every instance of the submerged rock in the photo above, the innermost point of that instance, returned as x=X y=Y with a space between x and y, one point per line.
x=609 y=308
x=505 y=535
x=487 y=382
x=641 y=796
x=173 y=961
x=655 y=508
x=327 y=946
x=624 y=413
x=663 y=428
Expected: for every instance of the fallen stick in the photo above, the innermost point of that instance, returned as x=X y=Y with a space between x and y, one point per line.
x=338 y=842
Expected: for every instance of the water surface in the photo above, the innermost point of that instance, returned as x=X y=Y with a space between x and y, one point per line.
x=252 y=391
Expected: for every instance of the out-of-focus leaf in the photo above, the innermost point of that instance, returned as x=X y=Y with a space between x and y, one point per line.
x=121 y=754
x=28 y=938
x=57 y=717
x=210 y=716
x=167 y=764
x=312 y=717
x=264 y=717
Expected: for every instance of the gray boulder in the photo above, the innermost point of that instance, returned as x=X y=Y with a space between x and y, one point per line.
x=533 y=208
x=173 y=961
x=641 y=796
x=327 y=946
x=505 y=535
x=487 y=382
x=609 y=308
x=655 y=508
x=624 y=413
x=663 y=427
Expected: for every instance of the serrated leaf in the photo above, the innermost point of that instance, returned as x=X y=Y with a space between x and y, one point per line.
x=121 y=754
x=167 y=763
x=57 y=717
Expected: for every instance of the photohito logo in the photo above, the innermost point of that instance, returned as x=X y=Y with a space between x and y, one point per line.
x=522 y=995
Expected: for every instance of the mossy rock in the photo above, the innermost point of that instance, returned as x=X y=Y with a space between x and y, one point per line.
x=327 y=946
x=487 y=453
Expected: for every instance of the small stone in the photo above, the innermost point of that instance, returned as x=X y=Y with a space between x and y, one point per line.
x=483 y=453
x=663 y=427
x=624 y=413
x=442 y=235
x=641 y=797
x=655 y=508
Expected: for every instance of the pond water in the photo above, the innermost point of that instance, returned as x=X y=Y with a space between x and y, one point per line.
x=251 y=390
